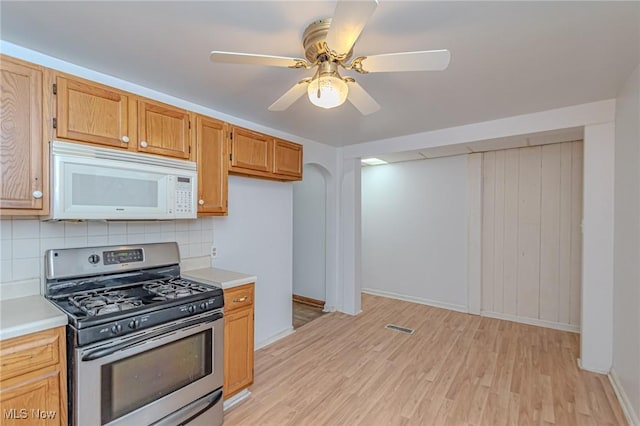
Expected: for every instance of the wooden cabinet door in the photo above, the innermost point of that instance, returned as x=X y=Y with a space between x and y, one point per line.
x=33 y=385
x=34 y=400
x=250 y=151
x=238 y=350
x=23 y=148
x=287 y=159
x=163 y=129
x=212 y=160
x=91 y=112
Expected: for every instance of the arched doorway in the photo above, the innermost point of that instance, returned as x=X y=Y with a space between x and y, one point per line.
x=309 y=236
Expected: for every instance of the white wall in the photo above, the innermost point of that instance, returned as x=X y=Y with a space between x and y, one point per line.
x=309 y=234
x=414 y=231
x=532 y=236
x=350 y=239
x=24 y=241
x=256 y=238
x=626 y=297
x=597 y=249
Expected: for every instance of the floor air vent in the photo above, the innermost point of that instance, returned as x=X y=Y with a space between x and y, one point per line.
x=400 y=329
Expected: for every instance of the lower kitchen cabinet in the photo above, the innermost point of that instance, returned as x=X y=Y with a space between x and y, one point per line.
x=33 y=384
x=238 y=339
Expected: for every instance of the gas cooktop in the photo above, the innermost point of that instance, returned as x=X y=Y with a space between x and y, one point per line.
x=91 y=306
x=117 y=290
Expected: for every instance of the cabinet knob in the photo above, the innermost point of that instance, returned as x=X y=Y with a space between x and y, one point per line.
x=37 y=194
x=201 y=202
x=125 y=139
x=144 y=144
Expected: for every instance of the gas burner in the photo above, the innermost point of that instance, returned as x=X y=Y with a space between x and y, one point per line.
x=95 y=303
x=175 y=288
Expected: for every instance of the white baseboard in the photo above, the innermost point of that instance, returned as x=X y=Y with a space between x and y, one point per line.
x=328 y=308
x=236 y=399
x=625 y=403
x=592 y=370
x=420 y=300
x=274 y=338
x=532 y=321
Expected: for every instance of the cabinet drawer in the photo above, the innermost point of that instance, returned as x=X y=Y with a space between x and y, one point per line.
x=23 y=354
x=238 y=297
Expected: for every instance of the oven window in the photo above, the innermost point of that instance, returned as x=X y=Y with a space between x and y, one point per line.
x=134 y=382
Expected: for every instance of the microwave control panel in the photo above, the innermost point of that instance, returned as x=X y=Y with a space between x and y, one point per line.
x=184 y=196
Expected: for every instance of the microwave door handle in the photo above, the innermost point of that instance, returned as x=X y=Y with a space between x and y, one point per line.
x=103 y=352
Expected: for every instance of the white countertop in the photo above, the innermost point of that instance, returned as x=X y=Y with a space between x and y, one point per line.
x=220 y=277
x=24 y=315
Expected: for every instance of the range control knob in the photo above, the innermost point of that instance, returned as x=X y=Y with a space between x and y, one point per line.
x=191 y=308
x=116 y=329
x=203 y=305
x=94 y=258
x=132 y=324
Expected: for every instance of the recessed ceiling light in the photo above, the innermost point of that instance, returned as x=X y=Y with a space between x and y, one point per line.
x=373 y=161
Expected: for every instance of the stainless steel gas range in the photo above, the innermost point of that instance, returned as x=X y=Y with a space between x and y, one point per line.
x=144 y=345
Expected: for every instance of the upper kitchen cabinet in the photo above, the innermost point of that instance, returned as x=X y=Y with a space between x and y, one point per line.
x=23 y=139
x=287 y=159
x=259 y=155
x=250 y=151
x=93 y=113
x=163 y=129
x=212 y=161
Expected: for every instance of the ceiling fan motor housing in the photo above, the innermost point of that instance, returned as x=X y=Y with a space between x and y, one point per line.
x=313 y=40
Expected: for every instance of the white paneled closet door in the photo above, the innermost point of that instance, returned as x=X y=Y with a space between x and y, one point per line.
x=531 y=234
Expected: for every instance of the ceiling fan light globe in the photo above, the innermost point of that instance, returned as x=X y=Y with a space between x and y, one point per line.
x=327 y=91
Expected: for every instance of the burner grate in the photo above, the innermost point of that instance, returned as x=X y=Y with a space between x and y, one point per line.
x=175 y=288
x=94 y=303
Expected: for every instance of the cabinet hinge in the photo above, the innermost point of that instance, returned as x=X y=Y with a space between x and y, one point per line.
x=55 y=89
x=230 y=157
x=55 y=123
x=189 y=124
x=231 y=135
x=189 y=149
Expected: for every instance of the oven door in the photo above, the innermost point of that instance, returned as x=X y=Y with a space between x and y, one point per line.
x=147 y=376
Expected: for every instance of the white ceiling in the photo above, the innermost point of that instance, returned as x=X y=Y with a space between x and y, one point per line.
x=507 y=58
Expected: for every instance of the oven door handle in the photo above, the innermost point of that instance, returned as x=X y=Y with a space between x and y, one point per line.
x=216 y=397
x=102 y=352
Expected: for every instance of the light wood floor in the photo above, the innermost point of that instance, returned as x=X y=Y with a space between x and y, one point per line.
x=457 y=369
x=303 y=314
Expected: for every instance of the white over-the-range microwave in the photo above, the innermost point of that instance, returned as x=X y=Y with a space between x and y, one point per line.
x=88 y=182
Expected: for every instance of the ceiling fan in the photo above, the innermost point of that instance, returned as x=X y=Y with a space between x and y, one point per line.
x=328 y=44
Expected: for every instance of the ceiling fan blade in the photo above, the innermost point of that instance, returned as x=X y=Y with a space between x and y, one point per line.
x=427 y=60
x=254 y=59
x=290 y=96
x=347 y=23
x=361 y=99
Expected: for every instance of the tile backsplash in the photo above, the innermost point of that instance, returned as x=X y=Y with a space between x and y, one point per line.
x=24 y=241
